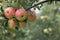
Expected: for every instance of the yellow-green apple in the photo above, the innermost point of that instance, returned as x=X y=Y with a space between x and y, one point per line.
x=9 y=12
x=22 y=24
x=21 y=14
x=11 y=23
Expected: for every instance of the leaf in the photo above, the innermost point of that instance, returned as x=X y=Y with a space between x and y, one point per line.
x=2 y=19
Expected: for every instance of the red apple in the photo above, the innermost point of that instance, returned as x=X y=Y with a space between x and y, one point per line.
x=21 y=14
x=11 y=23
x=9 y=12
x=31 y=16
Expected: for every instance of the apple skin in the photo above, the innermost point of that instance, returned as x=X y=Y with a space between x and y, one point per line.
x=21 y=14
x=11 y=23
x=9 y=12
x=31 y=16
x=22 y=24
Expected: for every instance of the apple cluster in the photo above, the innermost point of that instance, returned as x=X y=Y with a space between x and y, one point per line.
x=18 y=17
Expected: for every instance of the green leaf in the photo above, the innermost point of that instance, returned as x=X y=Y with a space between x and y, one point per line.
x=2 y=19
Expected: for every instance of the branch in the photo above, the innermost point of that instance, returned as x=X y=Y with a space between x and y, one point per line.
x=40 y=3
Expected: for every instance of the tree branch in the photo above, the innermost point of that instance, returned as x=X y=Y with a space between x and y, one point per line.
x=40 y=3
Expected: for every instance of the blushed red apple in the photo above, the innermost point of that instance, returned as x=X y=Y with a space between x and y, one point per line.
x=9 y=12
x=21 y=14
x=11 y=23
x=31 y=16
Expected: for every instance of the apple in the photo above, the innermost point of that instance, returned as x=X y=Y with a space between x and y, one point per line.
x=21 y=14
x=22 y=24
x=45 y=30
x=9 y=12
x=11 y=23
x=31 y=16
